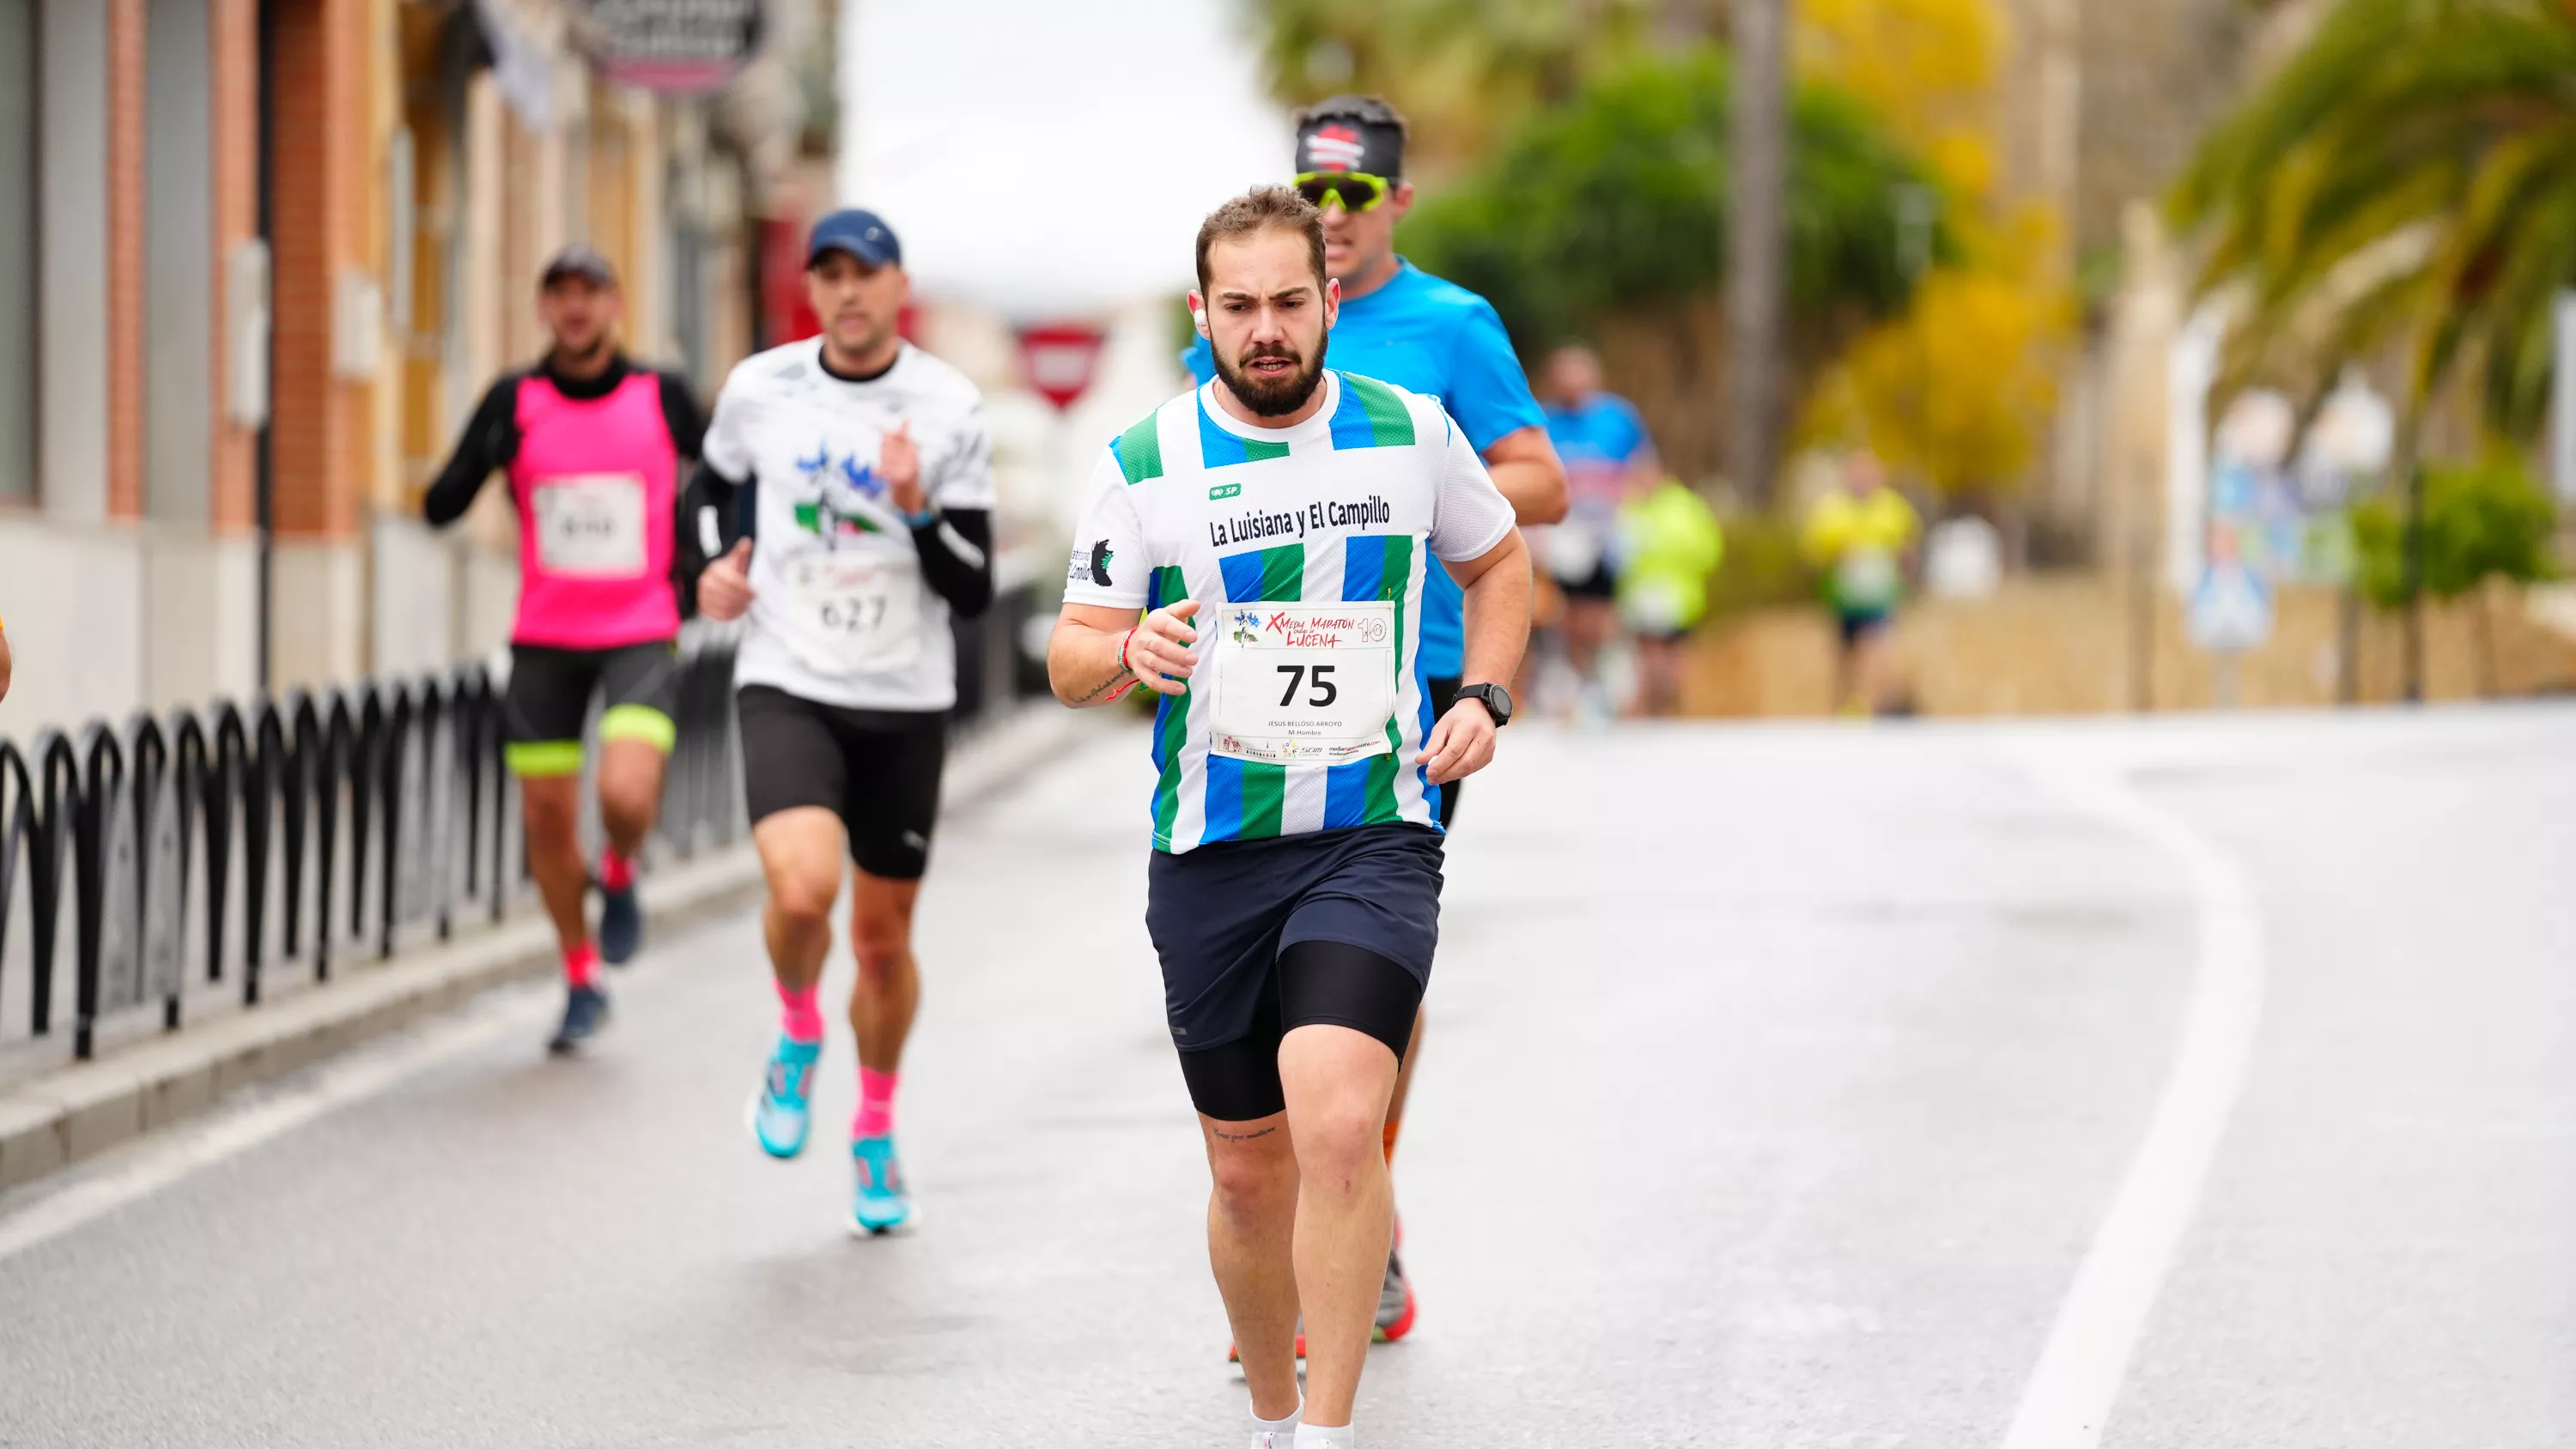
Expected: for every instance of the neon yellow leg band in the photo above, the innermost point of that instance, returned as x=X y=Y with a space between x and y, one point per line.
x=638 y=722
x=544 y=759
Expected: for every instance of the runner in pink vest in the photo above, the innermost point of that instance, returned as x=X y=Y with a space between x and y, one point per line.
x=592 y=445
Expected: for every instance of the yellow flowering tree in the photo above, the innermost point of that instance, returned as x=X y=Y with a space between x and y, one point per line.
x=1927 y=66
x=1956 y=392
x=1959 y=389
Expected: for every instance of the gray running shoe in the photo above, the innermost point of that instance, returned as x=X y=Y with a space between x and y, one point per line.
x=1394 y=1303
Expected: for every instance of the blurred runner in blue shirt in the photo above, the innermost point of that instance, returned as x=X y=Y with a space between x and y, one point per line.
x=1402 y=325
x=1608 y=460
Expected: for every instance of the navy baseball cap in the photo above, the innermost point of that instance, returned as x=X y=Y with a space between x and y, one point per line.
x=580 y=261
x=863 y=234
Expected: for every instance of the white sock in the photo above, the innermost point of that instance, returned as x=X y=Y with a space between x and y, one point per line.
x=1310 y=1437
x=1288 y=1425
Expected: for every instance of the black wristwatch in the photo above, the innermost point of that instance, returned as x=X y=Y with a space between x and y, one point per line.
x=1496 y=700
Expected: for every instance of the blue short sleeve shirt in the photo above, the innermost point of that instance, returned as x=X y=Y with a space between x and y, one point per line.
x=1600 y=441
x=1604 y=432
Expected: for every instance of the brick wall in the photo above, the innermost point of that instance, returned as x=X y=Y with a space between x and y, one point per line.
x=321 y=451
x=300 y=263
x=125 y=259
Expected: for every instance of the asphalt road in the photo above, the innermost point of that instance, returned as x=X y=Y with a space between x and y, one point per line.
x=1785 y=1087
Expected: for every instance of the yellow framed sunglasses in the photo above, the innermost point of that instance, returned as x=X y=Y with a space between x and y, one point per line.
x=1354 y=191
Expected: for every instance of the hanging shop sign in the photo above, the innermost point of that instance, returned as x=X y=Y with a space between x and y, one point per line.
x=675 y=46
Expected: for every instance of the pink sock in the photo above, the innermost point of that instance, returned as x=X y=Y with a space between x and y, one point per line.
x=616 y=872
x=800 y=1020
x=876 y=1104
x=579 y=963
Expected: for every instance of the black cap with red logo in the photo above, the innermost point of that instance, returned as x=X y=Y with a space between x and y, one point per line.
x=1350 y=133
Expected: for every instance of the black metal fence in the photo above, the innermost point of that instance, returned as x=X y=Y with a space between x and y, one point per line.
x=202 y=860
x=205 y=854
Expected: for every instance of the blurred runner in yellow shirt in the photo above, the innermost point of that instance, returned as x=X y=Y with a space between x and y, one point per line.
x=1670 y=546
x=1863 y=535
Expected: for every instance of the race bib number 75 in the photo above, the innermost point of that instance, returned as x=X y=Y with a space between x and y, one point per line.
x=1303 y=683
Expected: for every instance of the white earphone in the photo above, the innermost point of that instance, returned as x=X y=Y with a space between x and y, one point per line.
x=1199 y=316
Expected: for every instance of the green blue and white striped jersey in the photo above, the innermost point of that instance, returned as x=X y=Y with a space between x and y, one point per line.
x=1349 y=506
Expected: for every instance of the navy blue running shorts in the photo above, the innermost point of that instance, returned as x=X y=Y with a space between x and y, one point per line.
x=1260 y=937
x=1859 y=624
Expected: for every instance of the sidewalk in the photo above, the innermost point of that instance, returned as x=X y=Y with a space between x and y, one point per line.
x=64 y=1117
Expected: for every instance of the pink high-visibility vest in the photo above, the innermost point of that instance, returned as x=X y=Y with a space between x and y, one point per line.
x=596 y=483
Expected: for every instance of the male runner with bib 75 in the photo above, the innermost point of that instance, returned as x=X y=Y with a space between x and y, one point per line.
x=1278 y=525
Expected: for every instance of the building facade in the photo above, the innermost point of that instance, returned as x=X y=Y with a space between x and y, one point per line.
x=258 y=260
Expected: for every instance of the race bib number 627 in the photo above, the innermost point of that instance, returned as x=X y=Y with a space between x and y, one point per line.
x=851 y=614
x=1303 y=683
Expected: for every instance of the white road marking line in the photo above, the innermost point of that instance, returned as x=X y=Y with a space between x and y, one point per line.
x=2078 y=1377
x=161 y=1160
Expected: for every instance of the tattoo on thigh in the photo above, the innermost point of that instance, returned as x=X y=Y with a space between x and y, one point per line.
x=1244 y=1136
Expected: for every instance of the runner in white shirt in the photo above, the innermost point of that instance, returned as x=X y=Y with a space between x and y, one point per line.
x=866 y=522
x=1279 y=523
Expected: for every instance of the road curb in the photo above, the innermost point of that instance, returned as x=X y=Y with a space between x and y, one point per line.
x=63 y=1117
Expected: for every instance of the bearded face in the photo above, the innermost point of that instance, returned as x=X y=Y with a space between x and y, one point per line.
x=1272 y=378
x=1268 y=311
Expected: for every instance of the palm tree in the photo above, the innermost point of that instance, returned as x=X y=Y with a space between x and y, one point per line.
x=2409 y=178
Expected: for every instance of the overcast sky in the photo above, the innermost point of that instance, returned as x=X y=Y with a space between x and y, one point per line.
x=1051 y=158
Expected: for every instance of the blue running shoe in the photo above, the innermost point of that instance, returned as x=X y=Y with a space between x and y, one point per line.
x=585 y=1012
x=782 y=1110
x=621 y=925
x=882 y=1205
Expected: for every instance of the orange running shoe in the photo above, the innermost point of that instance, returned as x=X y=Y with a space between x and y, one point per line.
x=1234 y=1352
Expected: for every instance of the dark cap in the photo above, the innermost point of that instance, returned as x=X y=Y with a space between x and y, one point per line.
x=1350 y=133
x=863 y=234
x=580 y=261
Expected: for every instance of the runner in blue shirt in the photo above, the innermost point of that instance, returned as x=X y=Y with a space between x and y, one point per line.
x=1402 y=325
x=1608 y=460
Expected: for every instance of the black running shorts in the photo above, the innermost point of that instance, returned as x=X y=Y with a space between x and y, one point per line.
x=548 y=700
x=1602 y=584
x=1260 y=937
x=876 y=769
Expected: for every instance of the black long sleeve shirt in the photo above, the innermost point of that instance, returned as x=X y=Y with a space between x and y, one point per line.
x=955 y=545
x=491 y=437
